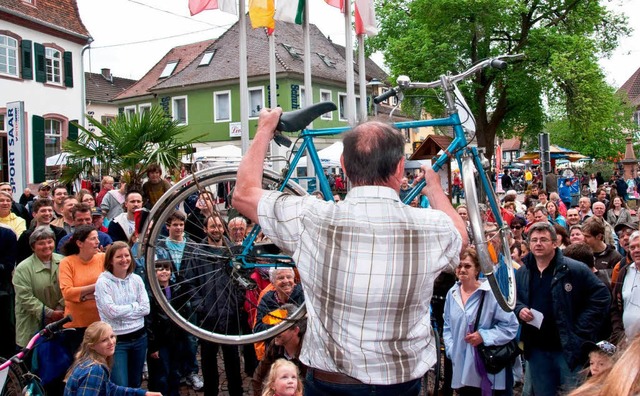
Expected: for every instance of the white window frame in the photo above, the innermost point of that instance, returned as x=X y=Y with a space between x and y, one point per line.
x=169 y=68
x=328 y=115
x=636 y=118
x=130 y=111
x=216 y=101
x=48 y=134
x=206 y=58
x=186 y=109
x=142 y=107
x=254 y=89
x=344 y=95
x=5 y=49
x=55 y=64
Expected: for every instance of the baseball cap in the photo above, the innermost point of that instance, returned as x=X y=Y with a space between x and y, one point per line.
x=604 y=346
x=620 y=226
x=96 y=211
x=44 y=186
x=511 y=192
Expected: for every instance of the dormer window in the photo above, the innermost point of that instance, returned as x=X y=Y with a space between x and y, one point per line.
x=168 y=69
x=295 y=54
x=206 y=58
x=327 y=61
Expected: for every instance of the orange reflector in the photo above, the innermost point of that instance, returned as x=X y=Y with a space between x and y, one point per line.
x=274 y=317
x=492 y=253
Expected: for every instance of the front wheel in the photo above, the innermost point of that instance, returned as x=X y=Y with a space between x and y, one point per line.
x=490 y=233
x=15 y=380
x=213 y=293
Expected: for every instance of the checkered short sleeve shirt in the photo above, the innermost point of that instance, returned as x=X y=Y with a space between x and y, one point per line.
x=367 y=266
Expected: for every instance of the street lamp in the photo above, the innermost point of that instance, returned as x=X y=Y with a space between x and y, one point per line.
x=374 y=83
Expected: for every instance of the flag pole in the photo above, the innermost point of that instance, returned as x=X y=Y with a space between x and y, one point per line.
x=308 y=89
x=350 y=109
x=244 y=85
x=276 y=151
x=362 y=78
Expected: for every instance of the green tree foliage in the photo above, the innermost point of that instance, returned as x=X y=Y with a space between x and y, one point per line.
x=559 y=80
x=127 y=146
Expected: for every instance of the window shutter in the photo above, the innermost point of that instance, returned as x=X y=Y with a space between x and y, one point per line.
x=40 y=62
x=73 y=131
x=26 y=61
x=37 y=143
x=68 y=69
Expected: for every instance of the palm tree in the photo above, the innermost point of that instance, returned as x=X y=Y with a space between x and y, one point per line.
x=127 y=146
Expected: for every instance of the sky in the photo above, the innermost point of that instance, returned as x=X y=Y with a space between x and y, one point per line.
x=130 y=36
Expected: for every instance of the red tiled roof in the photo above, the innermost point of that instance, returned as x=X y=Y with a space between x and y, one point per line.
x=184 y=54
x=224 y=65
x=632 y=88
x=60 y=15
x=102 y=90
x=513 y=144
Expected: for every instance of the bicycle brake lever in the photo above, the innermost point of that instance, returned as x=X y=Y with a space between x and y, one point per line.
x=281 y=140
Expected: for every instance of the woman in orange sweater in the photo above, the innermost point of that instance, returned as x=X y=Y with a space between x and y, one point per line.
x=78 y=273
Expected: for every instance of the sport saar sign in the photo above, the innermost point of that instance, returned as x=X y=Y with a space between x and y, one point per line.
x=16 y=141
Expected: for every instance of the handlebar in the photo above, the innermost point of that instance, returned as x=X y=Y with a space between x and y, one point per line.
x=55 y=327
x=499 y=62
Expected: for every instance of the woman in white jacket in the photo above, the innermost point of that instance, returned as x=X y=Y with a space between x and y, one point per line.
x=123 y=303
x=496 y=327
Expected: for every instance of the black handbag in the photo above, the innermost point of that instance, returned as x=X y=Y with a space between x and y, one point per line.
x=495 y=357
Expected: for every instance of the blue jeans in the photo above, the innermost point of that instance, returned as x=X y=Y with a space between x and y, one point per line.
x=164 y=374
x=128 y=361
x=315 y=387
x=548 y=373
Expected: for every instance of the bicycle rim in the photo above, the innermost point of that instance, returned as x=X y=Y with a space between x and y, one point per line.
x=431 y=379
x=494 y=254
x=234 y=296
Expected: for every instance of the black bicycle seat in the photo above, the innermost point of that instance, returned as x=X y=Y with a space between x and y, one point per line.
x=296 y=120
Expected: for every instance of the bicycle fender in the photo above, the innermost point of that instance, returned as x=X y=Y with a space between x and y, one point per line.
x=296 y=120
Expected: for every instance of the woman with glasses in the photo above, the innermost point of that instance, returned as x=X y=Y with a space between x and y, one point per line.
x=517 y=228
x=123 y=303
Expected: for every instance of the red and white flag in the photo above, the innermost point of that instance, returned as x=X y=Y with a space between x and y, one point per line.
x=336 y=3
x=365 y=18
x=197 y=6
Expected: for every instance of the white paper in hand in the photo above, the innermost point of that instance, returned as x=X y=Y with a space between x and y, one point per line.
x=537 y=318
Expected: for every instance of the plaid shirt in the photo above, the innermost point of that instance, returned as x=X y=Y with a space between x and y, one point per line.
x=367 y=266
x=90 y=378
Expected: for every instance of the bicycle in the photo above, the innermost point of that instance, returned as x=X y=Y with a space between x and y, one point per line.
x=213 y=186
x=15 y=377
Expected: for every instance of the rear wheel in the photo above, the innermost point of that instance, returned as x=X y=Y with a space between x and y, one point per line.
x=432 y=379
x=490 y=233
x=225 y=289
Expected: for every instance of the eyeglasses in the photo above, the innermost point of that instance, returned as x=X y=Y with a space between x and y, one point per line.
x=516 y=227
x=541 y=240
x=163 y=267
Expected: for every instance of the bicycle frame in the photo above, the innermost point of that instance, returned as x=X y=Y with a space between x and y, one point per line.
x=456 y=149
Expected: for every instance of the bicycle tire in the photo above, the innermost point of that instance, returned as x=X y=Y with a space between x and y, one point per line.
x=432 y=379
x=208 y=180
x=15 y=382
x=497 y=266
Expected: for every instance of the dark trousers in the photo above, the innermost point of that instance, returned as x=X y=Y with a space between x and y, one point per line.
x=164 y=372
x=209 y=363
x=315 y=387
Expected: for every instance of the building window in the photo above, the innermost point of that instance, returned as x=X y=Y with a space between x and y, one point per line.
x=8 y=56
x=180 y=109
x=168 y=69
x=54 y=59
x=130 y=111
x=2 y=123
x=52 y=137
x=256 y=101
x=222 y=106
x=325 y=96
x=303 y=101
x=206 y=58
x=636 y=118
x=342 y=106
x=144 y=108
x=106 y=120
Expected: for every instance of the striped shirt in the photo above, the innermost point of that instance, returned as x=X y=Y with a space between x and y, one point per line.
x=367 y=266
x=122 y=303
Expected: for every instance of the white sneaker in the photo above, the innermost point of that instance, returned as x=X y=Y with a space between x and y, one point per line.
x=195 y=381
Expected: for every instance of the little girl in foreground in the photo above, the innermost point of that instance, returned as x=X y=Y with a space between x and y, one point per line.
x=283 y=380
x=89 y=374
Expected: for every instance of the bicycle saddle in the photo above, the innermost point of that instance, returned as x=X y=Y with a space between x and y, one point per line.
x=296 y=120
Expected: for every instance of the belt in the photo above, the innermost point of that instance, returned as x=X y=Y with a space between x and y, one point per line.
x=132 y=336
x=334 y=378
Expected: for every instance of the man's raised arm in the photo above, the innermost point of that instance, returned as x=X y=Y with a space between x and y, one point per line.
x=248 y=190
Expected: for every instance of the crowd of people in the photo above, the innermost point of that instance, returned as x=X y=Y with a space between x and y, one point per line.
x=367 y=268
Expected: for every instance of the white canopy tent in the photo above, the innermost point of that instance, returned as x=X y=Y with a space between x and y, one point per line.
x=226 y=153
x=329 y=156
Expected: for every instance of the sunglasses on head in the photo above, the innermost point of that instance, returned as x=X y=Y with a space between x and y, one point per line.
x=160 y=267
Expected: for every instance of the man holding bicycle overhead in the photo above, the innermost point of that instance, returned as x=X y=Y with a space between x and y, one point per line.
x=367 y=264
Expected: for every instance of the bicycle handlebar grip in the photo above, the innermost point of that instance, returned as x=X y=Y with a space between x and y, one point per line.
x=498 y=64
x=385 y=96
x=56 y=326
